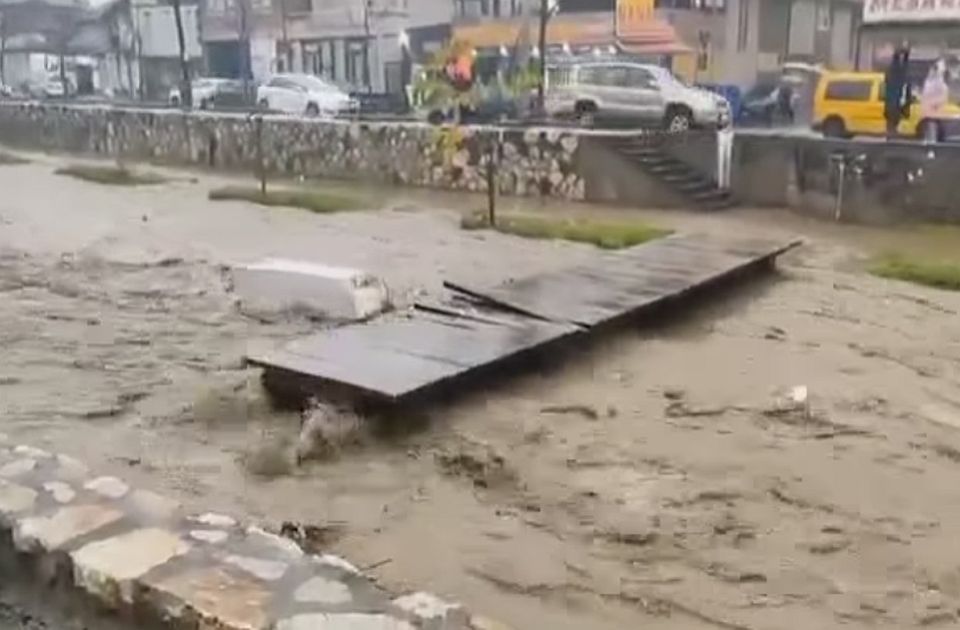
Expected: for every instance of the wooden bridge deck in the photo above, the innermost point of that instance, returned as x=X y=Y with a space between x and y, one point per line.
x=398 y=356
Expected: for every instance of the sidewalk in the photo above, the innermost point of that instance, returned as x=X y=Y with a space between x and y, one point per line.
x=140 y=556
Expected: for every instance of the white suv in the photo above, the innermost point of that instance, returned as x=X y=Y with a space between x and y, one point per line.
x=304 y=94
x=623 y=91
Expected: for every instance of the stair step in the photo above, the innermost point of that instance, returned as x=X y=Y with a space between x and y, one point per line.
x=664 y=167
x=697 y=186
x=676 y=177
x=711 y=196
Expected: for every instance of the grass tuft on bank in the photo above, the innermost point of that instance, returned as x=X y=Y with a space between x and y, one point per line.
x=110 y=175
x=8 y=159
x=319 y=201
x=603 y=234
x=940 y=275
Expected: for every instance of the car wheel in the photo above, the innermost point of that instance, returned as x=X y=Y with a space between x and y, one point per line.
x=264 y=105
x=834 y=128
x=312 y=110
x=586 y=114
x=678 y=120
x=436 y=117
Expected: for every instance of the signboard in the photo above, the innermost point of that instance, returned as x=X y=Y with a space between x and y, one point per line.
x=880 y=11
x=634 y=15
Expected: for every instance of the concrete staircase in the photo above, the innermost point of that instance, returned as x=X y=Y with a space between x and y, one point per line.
x=651 y=155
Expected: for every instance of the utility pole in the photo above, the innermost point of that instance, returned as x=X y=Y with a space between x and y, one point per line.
x=547 y=7
x=186 y=93
x=285 y=38
x=244 y=36
x=367 y=7
x=3 y=44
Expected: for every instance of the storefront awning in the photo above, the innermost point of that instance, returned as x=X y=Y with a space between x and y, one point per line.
x=560 y=30
x=655 y=37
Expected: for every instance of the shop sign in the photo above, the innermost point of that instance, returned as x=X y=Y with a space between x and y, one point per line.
x=633 y=16
x=880 y=11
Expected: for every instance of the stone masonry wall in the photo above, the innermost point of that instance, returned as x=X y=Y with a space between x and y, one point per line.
x=534 y=161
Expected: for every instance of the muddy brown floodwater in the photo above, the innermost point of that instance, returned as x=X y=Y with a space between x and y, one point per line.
x=654 y=480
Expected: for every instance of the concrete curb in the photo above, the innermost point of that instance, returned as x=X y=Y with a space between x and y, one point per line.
x=141 y=556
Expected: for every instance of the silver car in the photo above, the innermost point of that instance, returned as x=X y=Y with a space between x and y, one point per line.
x=623 y=91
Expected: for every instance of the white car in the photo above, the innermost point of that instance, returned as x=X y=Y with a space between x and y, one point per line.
x=202 y=92
x=208 y=93
x=304 y=94
x=625 y=91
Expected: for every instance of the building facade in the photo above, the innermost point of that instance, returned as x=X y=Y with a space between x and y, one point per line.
x=361 y=45
x=717 y=41
x=931 y=29
x=760 y=35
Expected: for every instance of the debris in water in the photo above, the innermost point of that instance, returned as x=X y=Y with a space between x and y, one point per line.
x=477 y=461
x=326 y=430
x=270 y=460
x=314 y=539
x=589 y=413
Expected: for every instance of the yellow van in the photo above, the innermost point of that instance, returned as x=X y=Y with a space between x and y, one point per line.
x=851 y=103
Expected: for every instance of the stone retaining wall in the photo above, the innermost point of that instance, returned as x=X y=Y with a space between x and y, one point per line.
x=534 y=161
x=882 y=182
x=141 y=556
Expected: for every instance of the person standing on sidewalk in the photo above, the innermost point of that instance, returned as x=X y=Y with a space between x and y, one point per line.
x=896 y=98
x=933 y=98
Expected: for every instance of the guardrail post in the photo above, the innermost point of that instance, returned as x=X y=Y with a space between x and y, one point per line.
x=261 y=170
x=492 y=155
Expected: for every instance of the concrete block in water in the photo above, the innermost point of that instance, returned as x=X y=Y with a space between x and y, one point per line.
x=278 y=285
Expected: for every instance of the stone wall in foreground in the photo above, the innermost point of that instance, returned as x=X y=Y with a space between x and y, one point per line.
x=534 y=161
x=150 y=563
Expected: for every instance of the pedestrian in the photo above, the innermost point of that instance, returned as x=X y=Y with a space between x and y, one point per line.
x=785 y=102
x=896 y=99
x=933 y=98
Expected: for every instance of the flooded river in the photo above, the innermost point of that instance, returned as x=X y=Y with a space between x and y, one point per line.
x=653 y=480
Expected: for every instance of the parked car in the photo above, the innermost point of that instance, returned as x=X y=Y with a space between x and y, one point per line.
x=852 y=103
x=49 y=87
x=306 y=95
x=620 y=91
x=209 y=93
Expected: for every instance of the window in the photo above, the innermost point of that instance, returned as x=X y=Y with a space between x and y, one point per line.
x=824 y=17
x=743 y=24
x=298 y=7
x=848 y=91
x=641 y=78
x=591 y=75
x=615 y=76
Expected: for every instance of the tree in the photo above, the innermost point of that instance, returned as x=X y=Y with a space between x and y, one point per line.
x=186 y=91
